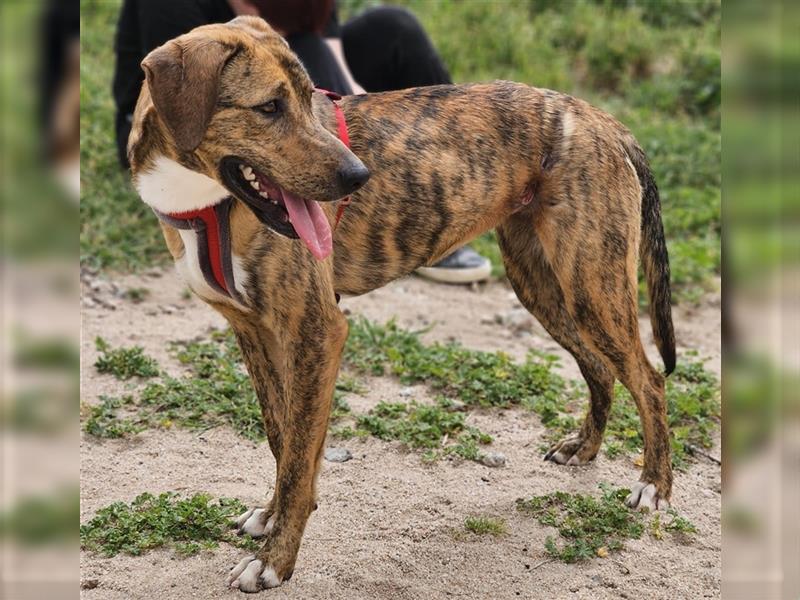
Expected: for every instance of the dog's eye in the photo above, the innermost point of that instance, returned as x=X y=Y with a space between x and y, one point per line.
x=269 y=108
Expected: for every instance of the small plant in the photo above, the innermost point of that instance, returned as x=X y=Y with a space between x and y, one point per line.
x=136 y=295
x=187 y=525
x=478 y=525
x=422 y=426
x=493 y=379
x=594 y=527
x=103 y=420
x=345 y=384
x=476 y=378
x=215 y=391
x=124 y=363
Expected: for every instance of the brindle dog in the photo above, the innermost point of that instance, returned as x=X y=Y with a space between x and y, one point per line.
x=566 y=186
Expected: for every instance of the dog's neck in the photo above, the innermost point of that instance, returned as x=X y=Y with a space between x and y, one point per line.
x=171 y=188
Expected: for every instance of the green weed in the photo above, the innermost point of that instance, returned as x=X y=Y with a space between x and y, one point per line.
x=480 y=525
x=476 y=378
x=216 y=391
x=424 y=426
x=188 y=525
x=493 y=379
x=103 y=420
x=592 y=527
x=136 y=294
x=124 y=363
x=693 y=406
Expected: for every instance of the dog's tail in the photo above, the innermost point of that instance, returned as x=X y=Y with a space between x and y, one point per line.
x=655 y=260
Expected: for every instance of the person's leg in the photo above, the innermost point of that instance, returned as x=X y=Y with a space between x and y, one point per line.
x=386 y=49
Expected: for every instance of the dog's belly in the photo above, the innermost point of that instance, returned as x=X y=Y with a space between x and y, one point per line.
x=380 y=240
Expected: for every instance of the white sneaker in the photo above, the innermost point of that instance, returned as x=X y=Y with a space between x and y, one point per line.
x=462 y=266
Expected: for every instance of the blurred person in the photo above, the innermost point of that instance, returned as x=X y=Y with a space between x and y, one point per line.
x=60 y=86
x=382 y=49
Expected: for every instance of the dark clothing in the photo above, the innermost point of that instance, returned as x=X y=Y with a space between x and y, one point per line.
x=385 y=48
x=143 y=26
x=60 y=26
x=319 y=61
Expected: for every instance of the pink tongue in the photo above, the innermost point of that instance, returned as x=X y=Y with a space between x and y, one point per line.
x=310 y=223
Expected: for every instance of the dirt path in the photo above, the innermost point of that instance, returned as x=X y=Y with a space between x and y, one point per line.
x=386 y=521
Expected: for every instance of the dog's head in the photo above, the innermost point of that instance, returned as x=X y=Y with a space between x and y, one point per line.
x=234 y=103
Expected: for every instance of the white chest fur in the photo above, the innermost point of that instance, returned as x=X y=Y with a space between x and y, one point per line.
x=172 y=188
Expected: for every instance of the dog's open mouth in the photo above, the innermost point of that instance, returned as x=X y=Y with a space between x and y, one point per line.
x=282 y=211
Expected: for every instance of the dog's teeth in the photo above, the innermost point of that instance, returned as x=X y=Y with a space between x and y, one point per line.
x=264 y=195
x=254 y=183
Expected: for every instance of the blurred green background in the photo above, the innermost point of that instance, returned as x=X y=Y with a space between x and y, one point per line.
x=654 y=64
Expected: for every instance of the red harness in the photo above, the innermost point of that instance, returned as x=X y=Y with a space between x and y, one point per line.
x=216 y=252
x=341 y=125
x=209 y=216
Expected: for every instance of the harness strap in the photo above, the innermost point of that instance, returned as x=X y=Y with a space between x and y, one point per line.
x=341 y=124
x=212 y=226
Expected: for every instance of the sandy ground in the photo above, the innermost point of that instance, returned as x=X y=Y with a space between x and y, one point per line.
x=386 y=522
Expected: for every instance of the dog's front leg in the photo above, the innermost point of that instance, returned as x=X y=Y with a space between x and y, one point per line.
x=312 y=353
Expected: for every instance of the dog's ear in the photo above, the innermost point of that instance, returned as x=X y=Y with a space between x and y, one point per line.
x=183 y=77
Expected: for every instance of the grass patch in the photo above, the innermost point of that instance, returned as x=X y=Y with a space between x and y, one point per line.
x=217 y=391
x=137 y=295
x=438 y=429
x=493 y=379
x=187 y=525
x=476 y=378
x=591 y=527
x=124 y=363
x=104 y=421
x=480 y=525
x=118 y=230
x=692 y=413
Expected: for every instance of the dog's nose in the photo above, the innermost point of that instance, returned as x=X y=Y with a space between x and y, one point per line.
x=353 y=177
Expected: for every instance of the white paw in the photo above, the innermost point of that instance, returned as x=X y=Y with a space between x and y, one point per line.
x=559 y=457
x=575 y=461
x=244 y=576
x=255 y=522
x=644 y=496
x=269 y=578
x=250 y=575
x=242 y=518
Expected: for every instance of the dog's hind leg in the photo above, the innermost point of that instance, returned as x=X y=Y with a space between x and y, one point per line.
x=539 y=291
x=589 y=234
